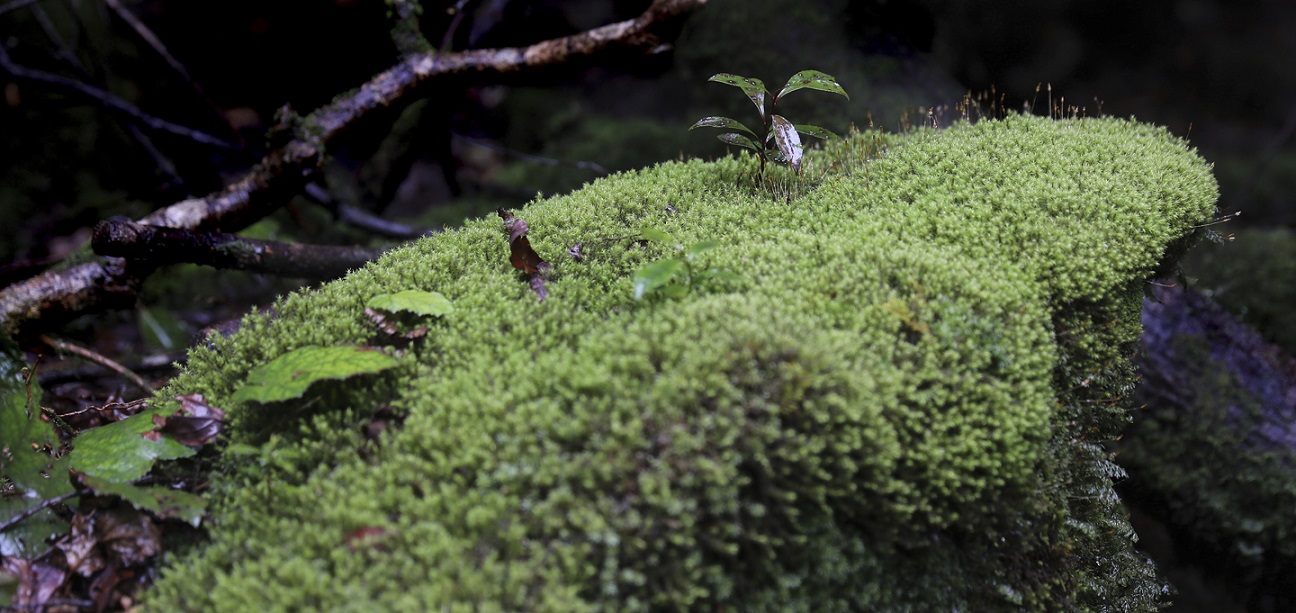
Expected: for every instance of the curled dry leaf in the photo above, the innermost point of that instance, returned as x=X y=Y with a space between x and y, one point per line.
x=37 y=580
x=391 y=325
x=522 y=256
x=194 y=424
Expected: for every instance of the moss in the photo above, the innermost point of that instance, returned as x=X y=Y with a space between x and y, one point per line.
x=868 y=420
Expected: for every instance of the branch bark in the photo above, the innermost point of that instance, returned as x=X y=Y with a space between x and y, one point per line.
x=124 y=238
x=107 y=282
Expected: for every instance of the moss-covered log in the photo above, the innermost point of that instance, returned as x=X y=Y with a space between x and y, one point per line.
x=895 y=405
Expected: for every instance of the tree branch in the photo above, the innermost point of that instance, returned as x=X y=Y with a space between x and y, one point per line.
x=109 y=282
x=111 y=101
x=124 y=238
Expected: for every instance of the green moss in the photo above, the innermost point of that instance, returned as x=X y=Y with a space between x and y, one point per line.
x=869 y=420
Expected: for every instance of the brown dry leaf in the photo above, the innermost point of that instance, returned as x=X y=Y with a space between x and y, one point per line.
x=391 y=325
x=130 y=537
x=38 y=580
x=195 y=424
x=80 y=546
x=369 y=537
x=522 y=256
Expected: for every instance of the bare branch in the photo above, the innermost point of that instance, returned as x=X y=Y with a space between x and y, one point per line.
x=124 y=238
x=111 y=101
x=359 y=218
x=153 y=41
x=110 y=282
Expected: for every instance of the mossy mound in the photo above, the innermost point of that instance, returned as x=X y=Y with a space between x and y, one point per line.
x=874 y=417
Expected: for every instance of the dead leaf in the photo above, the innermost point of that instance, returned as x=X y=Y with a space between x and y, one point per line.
x=38 y=580
x=577 y=252
x=80 y=546
x=522 y=256
x=366 y=537
x=194 y=424
x=130 y=537
x=392 y=323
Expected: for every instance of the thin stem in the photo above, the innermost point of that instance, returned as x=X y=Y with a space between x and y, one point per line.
x=99 y=359
x=44 y=504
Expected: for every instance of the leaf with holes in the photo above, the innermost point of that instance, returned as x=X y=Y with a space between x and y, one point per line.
x=812 y=79
x=291 y=374
x=815 y=131
x=722 y=122
x=126 y=450
x=163 y=502
x=754 y=88
x=734 y=138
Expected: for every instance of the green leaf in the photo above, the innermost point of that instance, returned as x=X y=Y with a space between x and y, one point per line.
x=25 y=438
x=812 y=79
x=655 y=275
x=699 y=248
x=675 y=291
x=163 y=502
x=30 y=537
x=815 y=131
x=291 y=374
x=653 y=234
x=754 y=88
x=432 y=304
x=733 y=138
x=727 y=277
x=721 y=122
x=25 y=461
x=119 y=452
x=789 y=144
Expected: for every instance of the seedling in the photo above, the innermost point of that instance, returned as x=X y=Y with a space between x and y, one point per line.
x=778 y=139
x=676 y=277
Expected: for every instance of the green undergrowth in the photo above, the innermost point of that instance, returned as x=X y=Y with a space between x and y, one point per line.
x=888 y=408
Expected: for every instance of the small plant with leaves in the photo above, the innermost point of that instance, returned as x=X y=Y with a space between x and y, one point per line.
x=676 y=277
x=778 y=140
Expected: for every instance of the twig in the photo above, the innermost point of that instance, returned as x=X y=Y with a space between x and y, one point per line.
x=99 y=359
x=15 y=5
x=359 y=218
x=111 y=101
x=153 y=363
x=44 y=504
x=125 y=238
x=447 y=39
x=64 y=51
x=153 y=41
x=68 y=55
